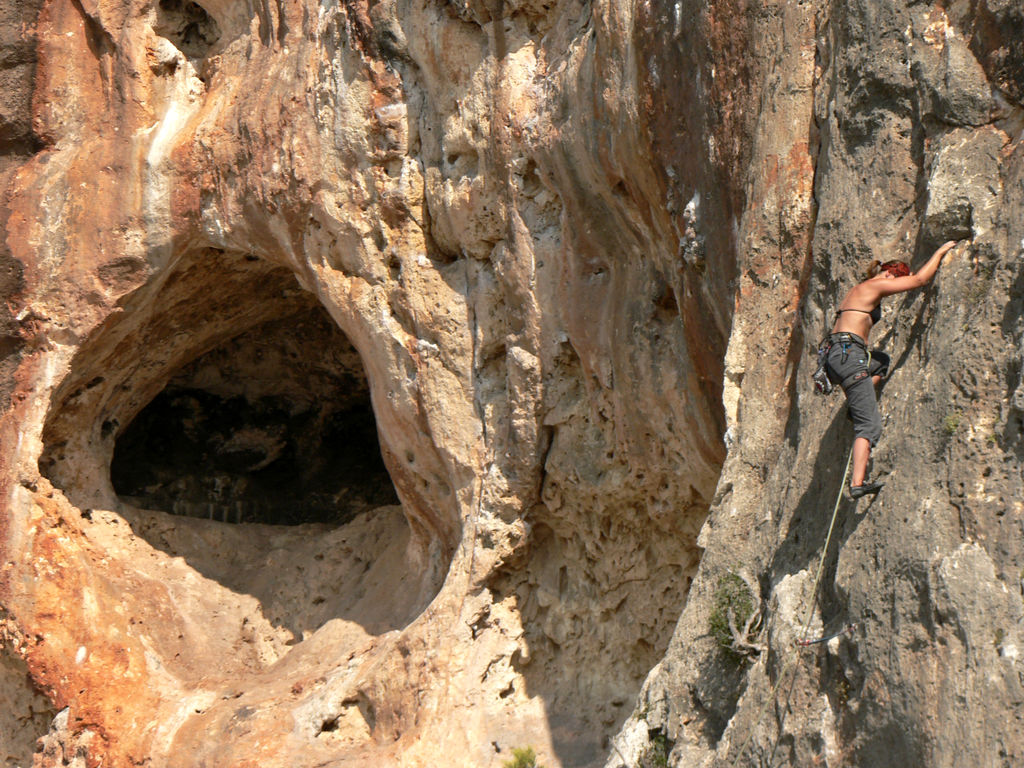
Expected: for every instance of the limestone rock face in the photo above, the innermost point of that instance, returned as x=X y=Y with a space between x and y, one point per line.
x=562 y=266
x=198 y=568
x=917 y=120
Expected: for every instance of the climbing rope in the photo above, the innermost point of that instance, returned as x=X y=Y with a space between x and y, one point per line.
x=824 y=551
x=803 y=641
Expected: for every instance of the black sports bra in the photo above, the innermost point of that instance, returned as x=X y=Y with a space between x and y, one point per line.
x=875 y=314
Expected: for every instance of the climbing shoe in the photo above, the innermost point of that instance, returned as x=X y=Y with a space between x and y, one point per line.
x=856 y=491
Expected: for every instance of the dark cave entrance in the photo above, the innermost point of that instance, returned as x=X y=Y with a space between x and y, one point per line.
x=274 y=426
x=188 y=26
x=224 y=392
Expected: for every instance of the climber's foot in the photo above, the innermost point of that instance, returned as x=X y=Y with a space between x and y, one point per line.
x=856 y=491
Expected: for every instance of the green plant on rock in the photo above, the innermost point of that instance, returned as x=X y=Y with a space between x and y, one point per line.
x=522 y=757
x=734 y=616
x=951 y=422
x=843 y=692
x=656 y=754
x=978 y=288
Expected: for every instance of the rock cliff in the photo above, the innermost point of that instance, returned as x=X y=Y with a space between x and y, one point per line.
x=562 y=265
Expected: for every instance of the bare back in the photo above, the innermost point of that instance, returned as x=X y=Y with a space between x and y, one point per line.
x=862 y=301
x=855 y=310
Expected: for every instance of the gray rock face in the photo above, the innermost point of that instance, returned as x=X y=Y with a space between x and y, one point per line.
x=920 y=125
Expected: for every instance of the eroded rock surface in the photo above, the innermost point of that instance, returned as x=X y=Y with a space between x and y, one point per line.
x=560 y=264
x=920 y=141
x=440 y=179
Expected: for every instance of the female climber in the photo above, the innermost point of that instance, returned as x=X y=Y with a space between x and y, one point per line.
x=850 y=365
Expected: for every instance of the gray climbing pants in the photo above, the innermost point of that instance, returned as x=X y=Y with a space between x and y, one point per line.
x=849 y=366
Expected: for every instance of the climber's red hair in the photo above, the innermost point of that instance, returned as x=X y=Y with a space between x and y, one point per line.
x=894 y=268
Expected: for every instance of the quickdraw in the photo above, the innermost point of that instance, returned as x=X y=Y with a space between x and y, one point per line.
x=822 y=384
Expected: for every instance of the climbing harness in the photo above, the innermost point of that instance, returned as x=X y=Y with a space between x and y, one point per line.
x=822 y=383
x=803 y=640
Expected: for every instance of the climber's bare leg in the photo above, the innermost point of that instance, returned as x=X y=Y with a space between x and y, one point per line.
x=861 y=454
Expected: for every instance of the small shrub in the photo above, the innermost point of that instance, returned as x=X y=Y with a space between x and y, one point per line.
x=656 y=755
x=977 y=288
x=735 y=601
x=976 y=291
x=522 y=757
x=951 y=422
x=843 y=692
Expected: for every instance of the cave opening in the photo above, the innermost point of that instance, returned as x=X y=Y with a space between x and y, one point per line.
x=225 y=392
x=188 y=26
x=275 y=426
x=217 y=434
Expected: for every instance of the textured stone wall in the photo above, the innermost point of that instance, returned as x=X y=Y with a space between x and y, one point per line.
x=582 y=251
x=486 y=223
x=916 y=126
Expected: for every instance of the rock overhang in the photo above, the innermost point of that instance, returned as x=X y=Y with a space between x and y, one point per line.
x=240 y=343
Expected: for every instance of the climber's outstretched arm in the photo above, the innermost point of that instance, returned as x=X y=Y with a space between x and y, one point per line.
x=919 y=279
